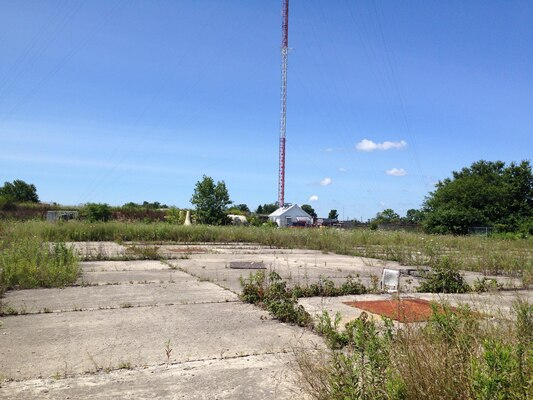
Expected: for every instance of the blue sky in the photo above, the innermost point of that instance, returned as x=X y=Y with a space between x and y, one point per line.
x=118 y=101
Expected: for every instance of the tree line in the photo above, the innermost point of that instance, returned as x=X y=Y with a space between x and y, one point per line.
x=488 y=194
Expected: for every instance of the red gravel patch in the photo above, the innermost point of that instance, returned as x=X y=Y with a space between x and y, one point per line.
x=404 y=310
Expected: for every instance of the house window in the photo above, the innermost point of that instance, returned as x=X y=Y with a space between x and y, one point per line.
x=288 y=221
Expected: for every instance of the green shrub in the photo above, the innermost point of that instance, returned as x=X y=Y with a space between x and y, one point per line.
x=282 y=303
x=486 y=285
x=272 y=293
x=493 y=373
x=362 y=370
x=444 y=278
x=7 y=203
x=326 y=288
x=504 y=369
x=330 y=329
x=176 y=216
x=253 y=289
x=95 y=212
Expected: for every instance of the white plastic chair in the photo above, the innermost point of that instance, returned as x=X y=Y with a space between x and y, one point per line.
x=390 y=280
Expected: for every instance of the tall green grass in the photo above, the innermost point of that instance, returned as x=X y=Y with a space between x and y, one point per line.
x=31 y=262
x=490 y=255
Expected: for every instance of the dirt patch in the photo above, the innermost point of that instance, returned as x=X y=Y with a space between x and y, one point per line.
x=404 y=310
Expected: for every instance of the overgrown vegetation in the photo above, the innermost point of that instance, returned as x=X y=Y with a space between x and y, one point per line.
x=272 y=293
x=258 y=286
x=30 y=262
x=487 y=255
x=94 y=212
x=456 y=355
x=444 y=278
x=281 y=300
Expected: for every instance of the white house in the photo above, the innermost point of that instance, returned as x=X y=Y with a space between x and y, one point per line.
x=291 y=215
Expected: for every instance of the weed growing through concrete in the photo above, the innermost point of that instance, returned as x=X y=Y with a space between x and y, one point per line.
x=458 y=354
x=144 y=252
x=273 y=294
x=444 y=278
x=97 y=367
x=125 y=365
x=255 y=287
x=168 y=350
x=486 y=285
x=6 y=309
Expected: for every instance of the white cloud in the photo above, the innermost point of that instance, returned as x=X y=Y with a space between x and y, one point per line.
x=328 y=150
x=396 y=172
x=369 y=145
x=326 y=182
x=313 y=198
x=342 y=169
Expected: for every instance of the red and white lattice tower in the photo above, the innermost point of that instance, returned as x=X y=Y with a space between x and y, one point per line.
x=283 y=116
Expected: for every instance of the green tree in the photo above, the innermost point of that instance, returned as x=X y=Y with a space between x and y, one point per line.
x=268 y=208
x=211 y=202
x=131 y=206
x=309 y=210
x=94 y=212
x=413 y=216
x=486 y=193
x=19 y=191
x=333 y=214
x=174 y=215
x=239 y=209
x=153 y=206
x=387 y=216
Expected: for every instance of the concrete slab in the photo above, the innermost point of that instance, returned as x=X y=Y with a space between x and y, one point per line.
x=114 y=272
x=43 y=345
x=333 y=305
x=305 y=267
x=299 y=267
x=125 y=277
x=98 y=250
x=251 y=377
x=108 y=266
x=498 y=304
x=184 y=289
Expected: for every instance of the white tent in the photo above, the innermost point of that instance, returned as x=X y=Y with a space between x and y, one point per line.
x=290 y=215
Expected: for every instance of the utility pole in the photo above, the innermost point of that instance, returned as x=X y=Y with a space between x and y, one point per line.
x=283 y=111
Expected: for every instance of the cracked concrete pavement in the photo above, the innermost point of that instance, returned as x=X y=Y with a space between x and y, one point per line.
x=108 y=336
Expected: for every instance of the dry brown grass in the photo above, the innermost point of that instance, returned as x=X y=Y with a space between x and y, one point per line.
x=457 y=355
